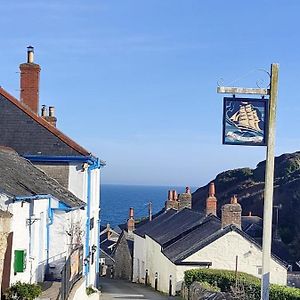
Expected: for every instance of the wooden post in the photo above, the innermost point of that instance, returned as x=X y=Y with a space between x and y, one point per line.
x=269 y=185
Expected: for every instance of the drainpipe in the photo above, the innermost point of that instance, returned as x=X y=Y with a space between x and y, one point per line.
x=98 y=241
x=87 y=228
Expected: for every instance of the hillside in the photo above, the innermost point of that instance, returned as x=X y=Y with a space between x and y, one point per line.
x=248 y=185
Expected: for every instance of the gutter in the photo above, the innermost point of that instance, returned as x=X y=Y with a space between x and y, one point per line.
x=90 y=159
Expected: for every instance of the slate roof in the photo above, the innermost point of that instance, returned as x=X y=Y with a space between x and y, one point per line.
x=209 y=231
x=30 y=134
x=148 y=226
x=194 y=240
x=19 y=177
x=172 y=225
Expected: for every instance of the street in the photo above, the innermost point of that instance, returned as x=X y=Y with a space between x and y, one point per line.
x=119 y=289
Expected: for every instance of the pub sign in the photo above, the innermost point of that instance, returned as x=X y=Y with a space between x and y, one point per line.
x=244 y=121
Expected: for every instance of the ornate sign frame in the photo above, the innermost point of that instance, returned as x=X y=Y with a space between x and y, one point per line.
x=245 y=121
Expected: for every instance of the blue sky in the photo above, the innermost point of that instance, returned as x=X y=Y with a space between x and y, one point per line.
x=135 y=81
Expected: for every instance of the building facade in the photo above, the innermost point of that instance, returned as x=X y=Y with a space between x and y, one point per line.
x=36 y=137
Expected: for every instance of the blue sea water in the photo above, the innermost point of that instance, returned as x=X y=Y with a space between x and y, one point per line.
x=117 y=199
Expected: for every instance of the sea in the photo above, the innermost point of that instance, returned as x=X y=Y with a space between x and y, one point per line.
x=117 y=199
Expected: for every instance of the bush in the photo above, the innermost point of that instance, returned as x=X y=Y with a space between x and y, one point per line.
x=24 y=291
x=225 y=279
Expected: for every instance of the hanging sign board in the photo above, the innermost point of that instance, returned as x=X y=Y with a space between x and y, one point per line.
x=244 y=121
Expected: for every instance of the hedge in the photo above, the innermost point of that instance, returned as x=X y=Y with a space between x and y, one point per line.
x=225 y=279
x=23 y=291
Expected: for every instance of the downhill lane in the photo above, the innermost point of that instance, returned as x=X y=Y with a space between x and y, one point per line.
x=118 y=289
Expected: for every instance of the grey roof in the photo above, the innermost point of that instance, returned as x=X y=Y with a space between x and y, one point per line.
x=193 y=241
x=209 y=231
x=19 y=177
x=151 y=225
x=251 y=220
x=172 y=225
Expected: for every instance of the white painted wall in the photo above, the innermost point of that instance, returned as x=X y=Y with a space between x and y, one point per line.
x=94 y=213
x=139 y=259
x=78 y=181
x=156 y=261
x=33 y=238
x=27 y=237
x=222 y=253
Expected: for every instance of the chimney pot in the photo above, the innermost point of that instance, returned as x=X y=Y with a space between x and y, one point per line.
x=131 y=222
x=212 y=190
x=188 y=190
x=175 y=196
x=51 y=111
x=234 y=200
x=30 y=54
x=131 y=213
x=44 y=111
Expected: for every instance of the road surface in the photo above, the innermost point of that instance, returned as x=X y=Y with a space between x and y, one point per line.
x=113 y=289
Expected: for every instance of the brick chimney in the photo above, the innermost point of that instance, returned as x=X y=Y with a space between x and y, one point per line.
x=211 y=201
x=51 y=117
x=29 y=82
x=232 y=213
x=130 y=222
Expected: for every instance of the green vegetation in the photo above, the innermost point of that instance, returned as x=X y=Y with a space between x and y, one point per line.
x=24 y=291
x=89 y=290
x=225 y=280
x=209 y=287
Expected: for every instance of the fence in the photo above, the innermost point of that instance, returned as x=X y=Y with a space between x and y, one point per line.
x=71 y=272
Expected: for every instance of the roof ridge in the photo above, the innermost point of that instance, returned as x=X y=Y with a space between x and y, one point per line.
x=63 y=137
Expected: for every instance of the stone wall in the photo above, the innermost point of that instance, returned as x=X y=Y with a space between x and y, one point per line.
x=197 y=292
x=123 y=260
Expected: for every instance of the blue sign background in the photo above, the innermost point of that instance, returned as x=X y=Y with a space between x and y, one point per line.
x=244 y=121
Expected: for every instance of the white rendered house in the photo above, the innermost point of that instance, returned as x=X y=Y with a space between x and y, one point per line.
x=36 y=137
x=42 y=212
x=178 y=241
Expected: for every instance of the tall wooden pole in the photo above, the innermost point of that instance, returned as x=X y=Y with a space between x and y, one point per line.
x=269 y=185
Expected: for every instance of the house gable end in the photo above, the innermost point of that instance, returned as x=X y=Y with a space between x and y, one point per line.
x=29 y=134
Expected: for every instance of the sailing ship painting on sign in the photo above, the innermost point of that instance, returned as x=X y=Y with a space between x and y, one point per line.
x=244 y=121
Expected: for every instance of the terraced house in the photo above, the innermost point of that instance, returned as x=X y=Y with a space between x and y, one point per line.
x=34 y=136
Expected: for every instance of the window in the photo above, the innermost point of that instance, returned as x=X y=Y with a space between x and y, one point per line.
x=91 y=223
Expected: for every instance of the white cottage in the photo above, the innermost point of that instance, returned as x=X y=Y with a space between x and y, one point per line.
x=178 y=241
x=42 y=212
x=35 y=136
